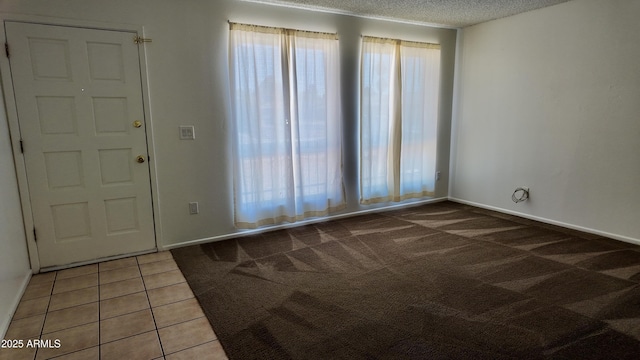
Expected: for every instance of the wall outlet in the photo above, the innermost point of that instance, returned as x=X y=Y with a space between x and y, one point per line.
x=193 y=208
x=187 y=132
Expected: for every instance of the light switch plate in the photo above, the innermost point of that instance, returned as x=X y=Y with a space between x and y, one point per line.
x=187 y=132
x=193 y=208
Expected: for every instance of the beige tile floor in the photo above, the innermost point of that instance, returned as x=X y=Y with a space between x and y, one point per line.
x=134 y=308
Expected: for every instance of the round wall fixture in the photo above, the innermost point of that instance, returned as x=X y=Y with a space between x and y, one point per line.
x=521 y=194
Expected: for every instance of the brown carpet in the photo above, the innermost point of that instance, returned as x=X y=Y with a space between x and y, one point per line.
x=440 y=281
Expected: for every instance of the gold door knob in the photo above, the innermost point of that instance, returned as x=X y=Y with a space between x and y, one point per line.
x=140 y=159
x=137 y=124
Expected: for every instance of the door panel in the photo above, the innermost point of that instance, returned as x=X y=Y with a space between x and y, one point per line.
x=78 y=94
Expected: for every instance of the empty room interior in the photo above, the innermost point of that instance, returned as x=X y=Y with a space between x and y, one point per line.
x=319 y=179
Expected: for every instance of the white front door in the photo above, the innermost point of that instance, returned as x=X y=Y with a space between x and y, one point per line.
x=80 y=109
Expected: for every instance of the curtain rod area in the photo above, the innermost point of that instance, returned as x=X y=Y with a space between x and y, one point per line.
x=233 y=24
x=408 y=42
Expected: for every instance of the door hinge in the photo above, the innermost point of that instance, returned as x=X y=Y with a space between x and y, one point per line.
x=21 y=147
x=6 y=49
x=35 y=236
x=139 y=39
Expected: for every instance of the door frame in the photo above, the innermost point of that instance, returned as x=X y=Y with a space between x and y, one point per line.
x=14 y=125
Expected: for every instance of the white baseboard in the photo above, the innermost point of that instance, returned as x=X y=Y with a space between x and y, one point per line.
x=300 y=223
x=5 y=321
x=551 y=222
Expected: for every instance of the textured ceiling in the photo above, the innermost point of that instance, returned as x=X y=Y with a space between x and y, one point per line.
x=448 y=13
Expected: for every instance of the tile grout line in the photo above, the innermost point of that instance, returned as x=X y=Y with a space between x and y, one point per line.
x=99 y=316
x=170 y=303
x=195 y=346
x=153 y=316
x=46 y=312
x=79 y=350
x=185 y=321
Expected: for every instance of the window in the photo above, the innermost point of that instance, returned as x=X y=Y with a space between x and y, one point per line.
x=286 y=115
x=399 y=112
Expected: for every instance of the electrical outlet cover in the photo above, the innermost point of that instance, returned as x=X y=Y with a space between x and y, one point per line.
x=193 y=208
x=187 y=132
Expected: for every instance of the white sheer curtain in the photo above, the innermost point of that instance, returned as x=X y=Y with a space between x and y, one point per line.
x=379 y=109
x=286 y=115
x=399 y=111
x=420 y=64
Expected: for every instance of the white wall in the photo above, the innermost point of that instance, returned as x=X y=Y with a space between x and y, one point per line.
x=549 y=99
x=14 y=262
x=188 y=84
